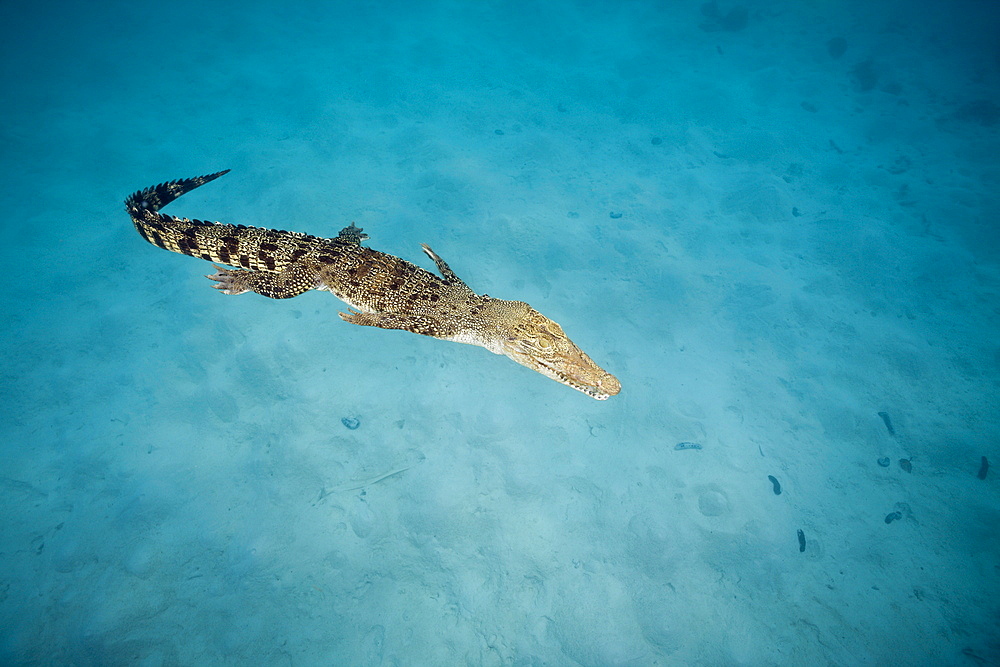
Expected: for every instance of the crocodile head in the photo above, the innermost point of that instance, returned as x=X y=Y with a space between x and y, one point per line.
x=535 y=341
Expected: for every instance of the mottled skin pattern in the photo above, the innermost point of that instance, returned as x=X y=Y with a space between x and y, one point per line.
x=382 y=290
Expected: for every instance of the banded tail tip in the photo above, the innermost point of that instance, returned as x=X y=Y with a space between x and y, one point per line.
x=156 y=197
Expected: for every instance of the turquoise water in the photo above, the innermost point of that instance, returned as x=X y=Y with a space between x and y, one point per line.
x=774 y=222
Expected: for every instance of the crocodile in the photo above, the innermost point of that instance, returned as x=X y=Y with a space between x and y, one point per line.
x=380 y=290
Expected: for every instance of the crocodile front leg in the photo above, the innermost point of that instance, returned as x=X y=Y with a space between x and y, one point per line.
x=292 y=281
x=419 y=324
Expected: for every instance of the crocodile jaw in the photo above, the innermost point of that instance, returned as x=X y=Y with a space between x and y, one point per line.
x=540 y=344
x=580 y=373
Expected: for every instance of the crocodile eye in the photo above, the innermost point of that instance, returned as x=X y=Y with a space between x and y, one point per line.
x=544 y=342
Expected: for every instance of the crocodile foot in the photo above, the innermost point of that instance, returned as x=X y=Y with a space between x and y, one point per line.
x=231 y=281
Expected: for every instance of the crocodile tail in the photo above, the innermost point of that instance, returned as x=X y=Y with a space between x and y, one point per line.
x=253 y=248
x=166 y=231
x=156 y=197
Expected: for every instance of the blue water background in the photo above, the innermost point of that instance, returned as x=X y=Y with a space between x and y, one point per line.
x=772 y=220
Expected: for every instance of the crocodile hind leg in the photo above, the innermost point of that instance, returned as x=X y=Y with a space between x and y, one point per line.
x=292 y=281
x=418 y=324
x=353 y=234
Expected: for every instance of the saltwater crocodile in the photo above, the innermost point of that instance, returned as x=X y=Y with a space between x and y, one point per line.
x=381 y=290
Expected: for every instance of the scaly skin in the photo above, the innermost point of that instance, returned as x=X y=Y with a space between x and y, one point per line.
x=382 y=290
